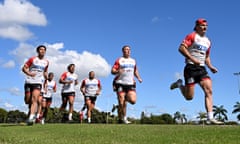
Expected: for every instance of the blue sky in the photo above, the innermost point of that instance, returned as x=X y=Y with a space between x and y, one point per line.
x=91 y=34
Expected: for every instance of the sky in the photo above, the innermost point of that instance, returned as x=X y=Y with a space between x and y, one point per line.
x=91 y=33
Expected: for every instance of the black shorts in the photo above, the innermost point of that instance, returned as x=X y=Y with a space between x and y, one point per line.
x=66 y=95
x=125 y=88
x=47 y=99
x=30 y=87
x=194 y=74
x=92 y=98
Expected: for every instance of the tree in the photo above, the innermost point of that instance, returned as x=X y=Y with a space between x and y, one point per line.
x=237 y=110
x=220 y=112
x=180 y=117
x=3 y=115
x=167 y=118
x=202 y=116
x=16 y=116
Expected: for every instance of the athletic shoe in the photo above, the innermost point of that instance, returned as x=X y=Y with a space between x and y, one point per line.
x=176 y=84
x=30 y=122
x=126 y=122
x=214 y=121
x=42 y=121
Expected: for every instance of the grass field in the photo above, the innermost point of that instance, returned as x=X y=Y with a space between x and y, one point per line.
x=118 y=134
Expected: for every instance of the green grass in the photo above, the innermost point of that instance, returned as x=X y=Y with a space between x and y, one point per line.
x=118 y=134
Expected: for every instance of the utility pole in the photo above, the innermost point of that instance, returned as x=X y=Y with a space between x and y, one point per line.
x=238 y=74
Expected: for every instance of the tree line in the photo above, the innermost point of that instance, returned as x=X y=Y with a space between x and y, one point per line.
x=57 y=116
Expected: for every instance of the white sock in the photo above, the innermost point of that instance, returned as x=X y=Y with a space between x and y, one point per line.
x=210 y=115
x=125 y=118
x=38 y=115
x=70 y=116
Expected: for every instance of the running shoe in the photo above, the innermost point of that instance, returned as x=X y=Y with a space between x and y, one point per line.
x=176 y=84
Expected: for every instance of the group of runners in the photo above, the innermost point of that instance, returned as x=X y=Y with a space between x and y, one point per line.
x=195 y=48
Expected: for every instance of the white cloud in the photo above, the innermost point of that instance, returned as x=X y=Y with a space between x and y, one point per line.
x=8 y=105
x=16 y=32
x=15 y=15
x=85 y=61
x=59 y=59
x=9 y=64
x=155 y=19
x=23 y=52
x=15 y=91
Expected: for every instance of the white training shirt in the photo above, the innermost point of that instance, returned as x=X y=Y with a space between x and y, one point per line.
x=38 y=66
x=51 y=85
x=66 y=88
x=199 y=47
x=91 y=86
x=128 y=65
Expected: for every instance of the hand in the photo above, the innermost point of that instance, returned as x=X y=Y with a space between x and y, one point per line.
x=213 y=70
x=120 y=71
x=196 y=62
x=140 y=80
x=69 y=82
x=31 y=74
x=97 y=93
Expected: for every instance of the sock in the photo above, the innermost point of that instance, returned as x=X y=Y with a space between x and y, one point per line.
x=70 y=116
x=38 y=115
x=210 y=115
x=89 y=120
x=124 y=118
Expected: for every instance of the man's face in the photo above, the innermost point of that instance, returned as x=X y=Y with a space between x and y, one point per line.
x=91 y=75
x=126 y=51
x=41 y=51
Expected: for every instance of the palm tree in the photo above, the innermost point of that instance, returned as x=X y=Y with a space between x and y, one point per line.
x=202 y=116
x=220 y=112
x=180 y=117
x=237 y=110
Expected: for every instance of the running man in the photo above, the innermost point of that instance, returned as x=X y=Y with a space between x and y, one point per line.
x=90 y=88
x=69 y=80
x=35 y=69
x=196 y=50
x=50 y=87
x=125 y=69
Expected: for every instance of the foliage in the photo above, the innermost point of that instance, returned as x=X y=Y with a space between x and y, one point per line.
x=237 y=110
x=180 y=117
x=220 y=113
x=16 y=116
x=202 y=116
x=3 y=115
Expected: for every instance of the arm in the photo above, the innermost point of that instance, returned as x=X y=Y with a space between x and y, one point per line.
x=62 y=79
x=55 y=87
x=82 y=87
x=183 y=49
x=76 y=82
x=99 y=88
x=116 y=68
x=209 y=64
x=25 y=69
x=137 y=75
